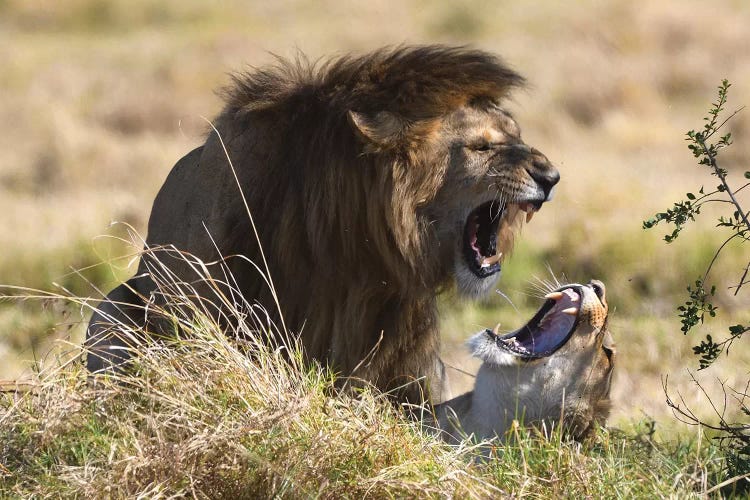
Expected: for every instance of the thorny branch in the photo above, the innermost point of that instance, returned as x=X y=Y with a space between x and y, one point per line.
x=733 y=436
x=684 y=414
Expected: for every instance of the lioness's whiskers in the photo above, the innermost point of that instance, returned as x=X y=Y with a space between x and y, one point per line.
x=508 y=299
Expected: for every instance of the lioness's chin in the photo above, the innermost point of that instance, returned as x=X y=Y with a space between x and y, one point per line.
x=483 y=346
x=469 y=284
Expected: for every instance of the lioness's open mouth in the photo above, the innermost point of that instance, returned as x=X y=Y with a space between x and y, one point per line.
x=484 y=226
x=548 y=330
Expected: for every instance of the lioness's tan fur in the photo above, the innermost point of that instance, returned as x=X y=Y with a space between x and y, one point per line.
x=569 y=388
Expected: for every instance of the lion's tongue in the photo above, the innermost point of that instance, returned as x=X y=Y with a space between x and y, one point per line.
x=484 y=261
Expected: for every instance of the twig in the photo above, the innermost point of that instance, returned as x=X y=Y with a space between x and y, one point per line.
x=726 y=483
x=686 y=416
x=726 y=120
x=716 y=255
x=16 y=387
x=742 y=280
x=722 y=177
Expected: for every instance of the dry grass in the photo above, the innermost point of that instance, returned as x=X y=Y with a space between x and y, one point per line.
x=202 y=420
x=205 y=420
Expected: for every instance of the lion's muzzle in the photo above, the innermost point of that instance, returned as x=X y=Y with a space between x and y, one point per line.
x=543 y=172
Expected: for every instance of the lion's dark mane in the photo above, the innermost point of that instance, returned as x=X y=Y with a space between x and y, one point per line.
x=339 y=222
x=417 y=82
x=347 y=252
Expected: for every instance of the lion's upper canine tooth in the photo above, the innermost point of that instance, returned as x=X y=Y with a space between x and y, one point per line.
x=488 y=261
x=573 y=311
x=554 y=295
x=529 y=215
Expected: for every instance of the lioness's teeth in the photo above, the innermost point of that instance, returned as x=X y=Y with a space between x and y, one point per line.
x=513 y=342
x=529 y=215
x=573 y=311
x=554 y=295
x=488 y=261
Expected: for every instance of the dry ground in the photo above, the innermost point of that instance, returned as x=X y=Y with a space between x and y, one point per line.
x=99 y=98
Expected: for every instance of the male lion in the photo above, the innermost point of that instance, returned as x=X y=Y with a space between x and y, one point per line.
x=373 y=181
x=557 y=366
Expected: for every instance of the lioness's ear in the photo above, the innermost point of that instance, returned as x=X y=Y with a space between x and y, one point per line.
x=382 y=128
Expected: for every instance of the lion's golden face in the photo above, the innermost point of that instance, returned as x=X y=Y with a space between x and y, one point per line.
x=492 y=182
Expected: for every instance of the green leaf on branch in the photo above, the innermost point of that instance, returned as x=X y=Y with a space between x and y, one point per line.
x=708 y=350
x=679 y=215
x=735 y=438
x=695 y=309
x=738 y=330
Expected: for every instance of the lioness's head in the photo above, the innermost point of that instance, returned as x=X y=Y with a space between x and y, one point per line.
x=559 y=363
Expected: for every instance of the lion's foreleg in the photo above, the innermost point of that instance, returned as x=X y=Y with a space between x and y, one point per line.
x=116 y=325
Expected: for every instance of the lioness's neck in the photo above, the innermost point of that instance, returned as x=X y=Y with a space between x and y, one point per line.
x=501 y=394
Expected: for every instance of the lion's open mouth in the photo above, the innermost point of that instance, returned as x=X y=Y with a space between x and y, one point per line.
x=548 y=330
x=484 y=226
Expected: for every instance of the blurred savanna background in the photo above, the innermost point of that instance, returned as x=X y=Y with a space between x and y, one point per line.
x=99 y=98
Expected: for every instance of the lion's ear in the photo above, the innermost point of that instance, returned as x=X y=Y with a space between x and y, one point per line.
x=383 y=129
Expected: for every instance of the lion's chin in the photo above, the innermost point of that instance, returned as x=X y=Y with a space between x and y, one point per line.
x=469 y=284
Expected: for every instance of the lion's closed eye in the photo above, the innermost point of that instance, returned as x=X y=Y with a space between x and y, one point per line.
x=482 y=147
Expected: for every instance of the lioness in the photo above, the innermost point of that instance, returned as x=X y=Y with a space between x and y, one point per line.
x=557 y=365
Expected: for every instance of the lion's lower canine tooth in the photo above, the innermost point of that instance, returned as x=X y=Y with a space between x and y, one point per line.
x=554 y=295
x=488 y=261
x=571 y=310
